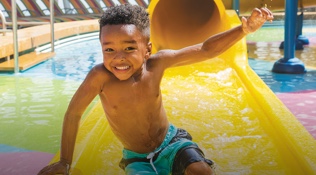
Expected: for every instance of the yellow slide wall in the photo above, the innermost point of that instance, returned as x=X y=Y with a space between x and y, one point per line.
x=234 y=117
x=246 y=6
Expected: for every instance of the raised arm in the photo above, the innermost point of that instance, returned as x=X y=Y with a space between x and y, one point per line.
x=216 y=44
x=87 y=91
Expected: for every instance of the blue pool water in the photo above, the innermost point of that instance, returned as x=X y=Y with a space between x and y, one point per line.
x=279 y=83
x=71 y=62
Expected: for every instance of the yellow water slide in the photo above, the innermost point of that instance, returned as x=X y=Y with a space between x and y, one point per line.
x=234 y=117
x=246 y=6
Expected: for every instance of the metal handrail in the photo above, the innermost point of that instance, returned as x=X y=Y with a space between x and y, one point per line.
x=52 y=41
x=14 y=24
x=28 y=23
x=15 y=37
x=5 y=23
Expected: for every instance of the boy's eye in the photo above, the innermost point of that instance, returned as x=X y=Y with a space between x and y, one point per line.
x=108 y=50
x=130 y=48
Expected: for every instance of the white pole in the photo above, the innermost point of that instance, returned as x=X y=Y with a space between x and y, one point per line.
x=52 y=25
x=15 y=37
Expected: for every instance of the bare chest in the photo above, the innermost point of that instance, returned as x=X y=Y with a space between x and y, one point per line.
x=130 y=98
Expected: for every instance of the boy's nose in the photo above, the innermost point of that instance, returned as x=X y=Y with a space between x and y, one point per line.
x=120 y=56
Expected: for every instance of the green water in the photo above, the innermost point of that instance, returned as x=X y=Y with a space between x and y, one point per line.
x=267 y=34
x=32 y=110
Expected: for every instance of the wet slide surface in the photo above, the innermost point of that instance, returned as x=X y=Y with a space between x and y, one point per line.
x=234 y=117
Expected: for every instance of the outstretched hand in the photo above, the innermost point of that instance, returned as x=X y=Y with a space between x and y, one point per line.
x=257 y=18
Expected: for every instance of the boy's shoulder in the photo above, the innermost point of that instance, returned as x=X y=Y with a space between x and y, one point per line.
x=99 y=70
x=159 y=58
x=99 y=67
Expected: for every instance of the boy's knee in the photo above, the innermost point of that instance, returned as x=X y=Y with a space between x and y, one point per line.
x=199 y=168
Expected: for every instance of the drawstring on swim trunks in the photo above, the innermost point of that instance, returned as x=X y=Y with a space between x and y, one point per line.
x=151 y=157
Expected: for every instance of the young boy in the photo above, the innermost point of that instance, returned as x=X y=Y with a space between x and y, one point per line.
x=128 y=83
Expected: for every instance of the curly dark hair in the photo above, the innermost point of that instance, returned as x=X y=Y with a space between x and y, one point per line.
x=127 y=14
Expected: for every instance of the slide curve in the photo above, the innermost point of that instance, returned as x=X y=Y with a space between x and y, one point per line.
x=230 y=112
x=246 y=6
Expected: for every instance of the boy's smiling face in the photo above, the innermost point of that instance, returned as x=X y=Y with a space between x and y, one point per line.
x=124 y=50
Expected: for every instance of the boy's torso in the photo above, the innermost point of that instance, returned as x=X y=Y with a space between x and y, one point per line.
x=135 y=111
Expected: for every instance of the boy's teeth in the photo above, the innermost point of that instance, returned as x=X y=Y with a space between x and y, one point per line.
x=122 y=68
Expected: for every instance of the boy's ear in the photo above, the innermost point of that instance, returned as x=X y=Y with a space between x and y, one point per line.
x=148 y=53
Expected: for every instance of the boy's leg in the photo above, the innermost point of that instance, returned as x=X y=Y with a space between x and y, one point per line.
x=190 y=160
x=139 y=168
x=199 y=168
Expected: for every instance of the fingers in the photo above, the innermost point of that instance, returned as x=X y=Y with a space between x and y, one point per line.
x=266 y=14
x=45 y=171
x=257 y=18
x=53 y=169
x=256 y=12
x=263 y=12
x=244 y=25
x=42 y=170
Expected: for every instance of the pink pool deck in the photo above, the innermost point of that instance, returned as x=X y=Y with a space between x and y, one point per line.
x=303 y=106
x=301 y=103
x=23 y=163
